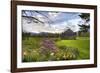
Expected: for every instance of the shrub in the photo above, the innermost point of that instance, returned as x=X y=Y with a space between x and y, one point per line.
x=84 y=34
x=31 y=56
x=67 y=53
x=69 y=37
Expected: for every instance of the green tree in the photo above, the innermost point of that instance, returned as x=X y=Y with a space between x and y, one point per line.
x=86 y=18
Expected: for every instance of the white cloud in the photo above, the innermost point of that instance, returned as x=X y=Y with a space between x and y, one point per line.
x=53 y=28
x=53 y=14
x=73 y=24
x=39 y=27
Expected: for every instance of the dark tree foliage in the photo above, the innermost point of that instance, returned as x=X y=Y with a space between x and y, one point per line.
x=86 y=17
x=84 y=28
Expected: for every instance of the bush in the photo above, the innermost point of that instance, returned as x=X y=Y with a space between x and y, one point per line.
x=69 y=37
x=31 y=56
x=67 y=53
x=84 y=34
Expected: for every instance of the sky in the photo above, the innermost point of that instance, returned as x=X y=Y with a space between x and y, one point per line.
x=54 y=22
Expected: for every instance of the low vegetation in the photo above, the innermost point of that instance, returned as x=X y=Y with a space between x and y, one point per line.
x=54 y=49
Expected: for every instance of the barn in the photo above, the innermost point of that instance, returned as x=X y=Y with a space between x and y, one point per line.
x=68 y=34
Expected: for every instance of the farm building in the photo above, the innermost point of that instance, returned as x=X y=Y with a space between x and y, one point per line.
x=68 y=34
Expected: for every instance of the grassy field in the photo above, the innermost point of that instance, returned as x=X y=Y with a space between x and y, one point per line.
x=32 y=49
x=82 y=45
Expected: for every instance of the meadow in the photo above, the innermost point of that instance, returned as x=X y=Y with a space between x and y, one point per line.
x=55 y=49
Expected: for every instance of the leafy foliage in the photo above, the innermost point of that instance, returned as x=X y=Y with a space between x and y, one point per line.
x=33 y=55
x=68 y=53
x=84 y=28
x=86 y=18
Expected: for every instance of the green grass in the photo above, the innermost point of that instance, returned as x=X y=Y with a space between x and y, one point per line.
x=82 y=38
x=31 y=48
x=31 y=43
x=82 y=45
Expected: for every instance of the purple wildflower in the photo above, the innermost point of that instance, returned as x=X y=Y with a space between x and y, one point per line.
x=48 y=44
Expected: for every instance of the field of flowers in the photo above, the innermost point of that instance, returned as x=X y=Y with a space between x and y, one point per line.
x=37 y=49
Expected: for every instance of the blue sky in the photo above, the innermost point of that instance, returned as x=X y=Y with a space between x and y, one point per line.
x=57 y=20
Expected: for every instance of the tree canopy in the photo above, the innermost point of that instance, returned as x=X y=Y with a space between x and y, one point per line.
x=86 y=18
